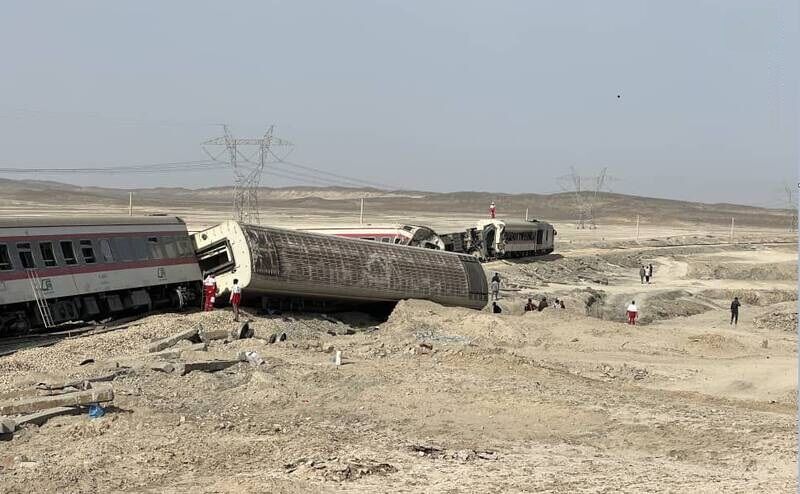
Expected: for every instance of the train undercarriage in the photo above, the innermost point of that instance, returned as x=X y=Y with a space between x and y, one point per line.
x=27 y=317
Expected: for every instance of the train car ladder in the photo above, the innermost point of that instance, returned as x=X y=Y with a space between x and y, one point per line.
x=41 y=299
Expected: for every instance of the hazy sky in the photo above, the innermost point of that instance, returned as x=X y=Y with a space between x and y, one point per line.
x=456 y=95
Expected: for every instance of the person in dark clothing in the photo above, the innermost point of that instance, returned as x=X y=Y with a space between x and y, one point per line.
x=735 y=311
x=562 y=304
x=542 y=304
x=650 y=272
x=496 y=308
x=496 y=277
x=530 y=306
x=642 y=272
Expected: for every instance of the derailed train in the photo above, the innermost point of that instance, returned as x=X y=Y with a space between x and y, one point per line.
x=56 y=270
x=280 y=264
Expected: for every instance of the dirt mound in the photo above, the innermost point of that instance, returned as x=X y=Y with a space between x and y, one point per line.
x=751 y=297
x=780 y=319
x=653 y=306
x=717 y=342
x=705 y=270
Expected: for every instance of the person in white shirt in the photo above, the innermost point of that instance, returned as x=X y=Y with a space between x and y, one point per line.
x=236 y=299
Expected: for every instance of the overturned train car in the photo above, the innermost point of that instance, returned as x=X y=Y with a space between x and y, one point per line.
x=273 y=263
x=502 y=239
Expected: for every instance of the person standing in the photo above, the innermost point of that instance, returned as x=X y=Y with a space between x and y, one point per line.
x=496 y=308
x=735 y=311
x=495 y=288
x=642 y=273
x=650 y=271
x=632 y=312
x=647 y=275
x=492 y=210
x=209 y=292
x=236 y=299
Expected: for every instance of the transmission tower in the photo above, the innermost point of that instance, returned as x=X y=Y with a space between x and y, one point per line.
x=791 y=205
x=247 y=157
x=585 y=198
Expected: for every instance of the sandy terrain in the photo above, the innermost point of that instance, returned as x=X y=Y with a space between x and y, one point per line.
x=453 y=400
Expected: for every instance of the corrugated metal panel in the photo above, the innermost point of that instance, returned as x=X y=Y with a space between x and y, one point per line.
x=392 y=271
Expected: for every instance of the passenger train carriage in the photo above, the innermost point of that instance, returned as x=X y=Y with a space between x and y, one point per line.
x=54 y=270
x=500 y=239
x=274 y=263
x=411 y=235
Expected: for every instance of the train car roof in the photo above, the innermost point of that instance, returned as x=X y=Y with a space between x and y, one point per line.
x=46 y=221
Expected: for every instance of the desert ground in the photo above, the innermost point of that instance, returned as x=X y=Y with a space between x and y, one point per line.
x=439 y=399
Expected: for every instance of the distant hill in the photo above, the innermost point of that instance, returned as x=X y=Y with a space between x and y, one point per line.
x=556 y=207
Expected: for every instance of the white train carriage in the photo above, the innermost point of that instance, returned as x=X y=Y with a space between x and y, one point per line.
x=499 y=239
x=54 y=270
x=400 y=234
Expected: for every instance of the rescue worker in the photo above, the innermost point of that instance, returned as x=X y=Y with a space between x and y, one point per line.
x=632 y=312
x=496 y=308
x=735 y=311
x=236 y=299
x=495 y=288
x=492 y=210
x=642 y=273
x=530 y=306
x=209 y=292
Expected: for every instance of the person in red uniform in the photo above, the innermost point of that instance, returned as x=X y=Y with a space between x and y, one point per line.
x=492 y=210
x=236 y=299
x=209 y=292
x=633 y=313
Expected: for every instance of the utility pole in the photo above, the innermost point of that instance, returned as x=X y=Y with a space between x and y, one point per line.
x=637 y=227
x=526 y=214
x=361 y=216
x=130 y=203
x=732 y=223
x=247 y=168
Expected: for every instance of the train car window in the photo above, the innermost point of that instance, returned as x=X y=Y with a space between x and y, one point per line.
x=397 y=240
x=154 y=248
x=25 y=255
x=87 y=251
x=105 y=249
x=122 y=247
x=139 y=248
x=368 y=238
x=5 y=259
x=539 y=236
x=48 y=255
x=68 y=252
x=184 y=247
x=170 y=247
x=386 y=240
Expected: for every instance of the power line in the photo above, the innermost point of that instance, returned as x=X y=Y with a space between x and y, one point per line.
x=166 y=167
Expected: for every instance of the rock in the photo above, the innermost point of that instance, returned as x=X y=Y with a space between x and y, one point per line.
x=214 y=334
x=205 y=366
x=176 y=352
x=7 y=426
x=39 y=418
x=241 y=331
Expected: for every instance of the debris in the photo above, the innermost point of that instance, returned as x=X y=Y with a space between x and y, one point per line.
x=188 y=334
x=86 y=361
x=40 y=418
x=253 y=357
x=437 y=452
x=7 y=426
x=242 y=331
x=96 y=411
x=204 y=365
x=176 y=352
x=79 y=383
x=214 y=334
x=98 y=394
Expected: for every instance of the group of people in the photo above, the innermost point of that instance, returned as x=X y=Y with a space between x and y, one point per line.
x=646 y=273
x=210 y=292
x=632 y=312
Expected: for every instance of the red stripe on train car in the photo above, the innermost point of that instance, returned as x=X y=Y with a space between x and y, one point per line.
x=96 y=268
